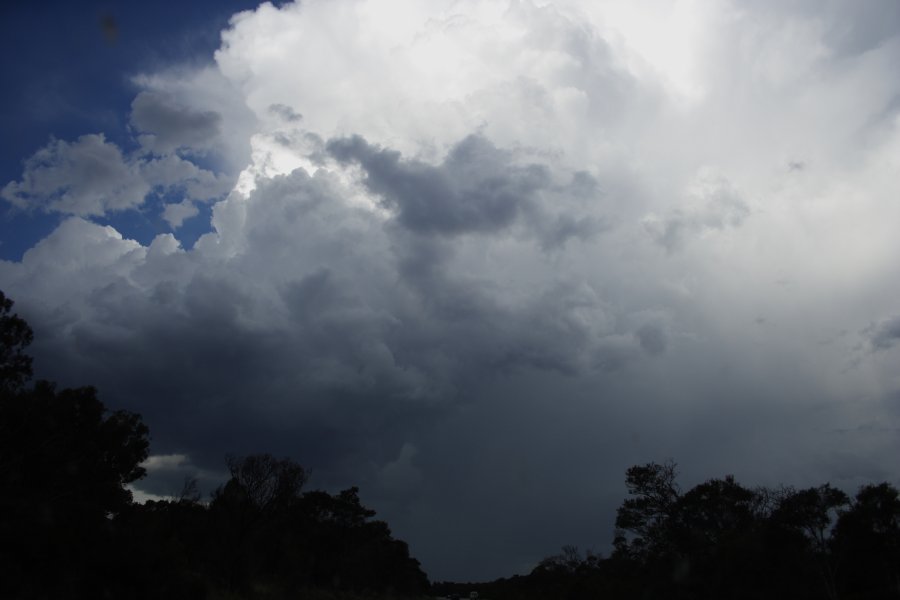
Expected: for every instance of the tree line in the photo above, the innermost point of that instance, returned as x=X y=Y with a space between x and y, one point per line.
x=723 y=540
x=70 y=529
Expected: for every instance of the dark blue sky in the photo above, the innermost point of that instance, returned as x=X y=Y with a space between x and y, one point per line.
x=67 y=68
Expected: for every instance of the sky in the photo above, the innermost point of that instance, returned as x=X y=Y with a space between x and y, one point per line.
x=477 y=258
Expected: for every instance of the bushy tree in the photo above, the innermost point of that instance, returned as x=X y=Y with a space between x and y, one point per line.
x=69 y=528
x=720 y=539
x=644 y=521
x=352 y=550
x=799 y=533
x=15 y=336
x=64 y=463
x=269 y=534
x=867 y=543
x=267 y=481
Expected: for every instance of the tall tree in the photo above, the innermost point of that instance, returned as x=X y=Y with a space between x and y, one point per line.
x=250 y=511
x=867 y=540
x=15 y=336
x=267 y=480
x=810 y=515
x=715 y=538
x=64 y=463
x=644 y=519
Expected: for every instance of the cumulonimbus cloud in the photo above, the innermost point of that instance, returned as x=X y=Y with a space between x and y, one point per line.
x=433 y=263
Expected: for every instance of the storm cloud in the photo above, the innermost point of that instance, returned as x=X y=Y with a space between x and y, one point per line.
x=506 y=252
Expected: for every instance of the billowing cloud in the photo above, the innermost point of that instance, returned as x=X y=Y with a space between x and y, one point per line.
x=86 y=177
x=91 y=178
x=482 y=258
x=167 y=126
x=192 y=133
x=176 y=213
x=194 y=182
x=475 y=189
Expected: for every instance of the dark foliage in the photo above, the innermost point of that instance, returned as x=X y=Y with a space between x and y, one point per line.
x=69 y=528
x=266 y=535
x=15 y=336
x=64 y=462
x=866 y=544
x=280 y=543
x=722 y=540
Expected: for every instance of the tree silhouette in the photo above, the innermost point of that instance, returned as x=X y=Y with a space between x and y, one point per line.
x=266 y=480
x=15 y=336
x=722 y=540
x=269 y=534
x=69 y=528
x=867 y=540
x=716 y=535
x=350 y=550
x=643 y=521
x=249 y=513
x=64 y=463
x=803 y=521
